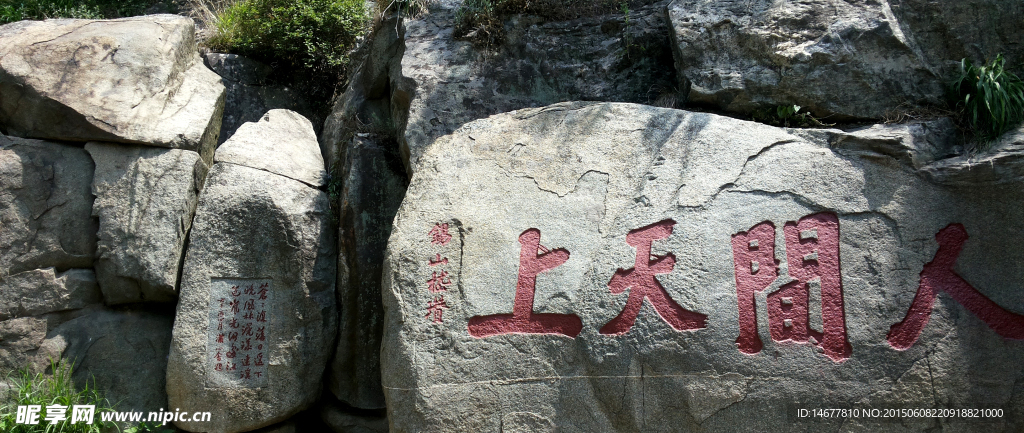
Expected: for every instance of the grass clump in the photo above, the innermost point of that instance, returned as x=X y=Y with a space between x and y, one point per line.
x=17 y=10
x=990 y=97
x=314 y=36
x=55 y=389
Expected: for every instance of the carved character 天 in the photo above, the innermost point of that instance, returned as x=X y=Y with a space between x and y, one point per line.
x=642 y=284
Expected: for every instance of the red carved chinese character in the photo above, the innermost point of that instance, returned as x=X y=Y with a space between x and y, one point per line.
x=233 y=323
x=643 y=285
x=434 y=261
x=218 y=367
x=232 y=336
x=263 y=291
x=247 y=329
x=248 y=315
x=812 y=254
x=245 y=362
x=258 y=374
x=435 y=308
x=234 y=306
x=217 y=356
x=439 y=234
x=250 y=305
x=259 y=359
x=261 y=316
x=938 y=275
x=247 y=345
x=755 y=267
x=220 y=338
x=523 y=320
x=231 y=353
x=235 y=291
x=260 y=336
x=439 y=283
x=251 y=290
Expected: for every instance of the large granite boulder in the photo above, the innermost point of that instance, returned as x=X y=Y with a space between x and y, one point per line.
x=145 y=199
x=45 y=206
x=282 y=142
x=779 y=274
x=135 y=80
x=448 y=82
x=121 y=353
x=40 y=291
x=833 y=57
x=374 y=185
x=256 y=315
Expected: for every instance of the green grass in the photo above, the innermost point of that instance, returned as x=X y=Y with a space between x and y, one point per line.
x=43 y=390
x=17 y=10
x=990 y=97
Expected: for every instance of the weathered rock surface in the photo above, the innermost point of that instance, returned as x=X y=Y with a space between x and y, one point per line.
x=282 y=142
x=249 y=93
x=831 y=57
x=947 y=32
x=602 y=58
x=136 y=80
x=778 y=274
x=145 y=199
x=374 y=187
x=376 y=97
x=1002 y=161
x=45 y=206
x=256 y=316
x=41 y=291
x=121 y=353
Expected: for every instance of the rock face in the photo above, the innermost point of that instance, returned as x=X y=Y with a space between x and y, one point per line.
x=616 y=267
x=249 y=92
x=123 y=353
x=282 y=142
x=136 y=80
x=41 y=291
x=602 y=58
x=374 y=186
x=831 y=57
x=256 y=316
x=145 y=199
x=947 y=32
x=45 y=206
x=1001 y=162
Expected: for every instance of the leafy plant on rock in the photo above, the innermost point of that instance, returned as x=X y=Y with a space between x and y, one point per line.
x=990 y=97
x=788 y=116
x=18 y=10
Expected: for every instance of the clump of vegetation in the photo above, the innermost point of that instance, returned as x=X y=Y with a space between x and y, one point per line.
x=788 y=116
x=990 y=97
x=55 y=389
x=18 y=10
x=311 y=35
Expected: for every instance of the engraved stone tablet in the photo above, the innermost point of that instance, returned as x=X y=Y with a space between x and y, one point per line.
x=237 y=349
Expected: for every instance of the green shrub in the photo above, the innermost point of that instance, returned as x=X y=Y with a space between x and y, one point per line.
x=481 y=20
x=311 y=35
x=43 y=390
x=17 y=10
x=990 y=97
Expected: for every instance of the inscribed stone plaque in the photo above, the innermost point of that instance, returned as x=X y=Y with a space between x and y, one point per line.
x=237 y=349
